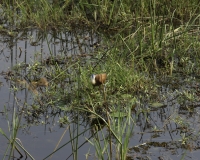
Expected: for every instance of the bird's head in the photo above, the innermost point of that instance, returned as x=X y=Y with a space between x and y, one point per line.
x=92 y=78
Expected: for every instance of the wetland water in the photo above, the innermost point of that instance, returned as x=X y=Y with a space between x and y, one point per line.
x=166 y=124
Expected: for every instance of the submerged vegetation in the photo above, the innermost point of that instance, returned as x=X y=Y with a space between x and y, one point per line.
x=149 y=50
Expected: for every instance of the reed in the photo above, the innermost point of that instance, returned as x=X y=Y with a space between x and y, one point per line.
x=14 y=143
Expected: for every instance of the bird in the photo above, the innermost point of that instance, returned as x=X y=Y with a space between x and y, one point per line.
x=42 y=82
x=98 y=79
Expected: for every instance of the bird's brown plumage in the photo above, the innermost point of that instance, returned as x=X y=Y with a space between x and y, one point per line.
x=100 y=79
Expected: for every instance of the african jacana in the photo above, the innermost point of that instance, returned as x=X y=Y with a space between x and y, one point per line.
x=98 y=79
x=42 y=82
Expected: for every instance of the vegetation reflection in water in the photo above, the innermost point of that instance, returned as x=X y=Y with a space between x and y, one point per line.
x=150 y=56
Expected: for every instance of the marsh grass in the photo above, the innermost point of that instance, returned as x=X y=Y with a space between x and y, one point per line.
x=152 y=33
x=14 y=143
x=112 y=15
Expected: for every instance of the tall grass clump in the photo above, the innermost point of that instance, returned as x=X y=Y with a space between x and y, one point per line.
x=14 y=144
x=152 y=31
x=120 y=16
